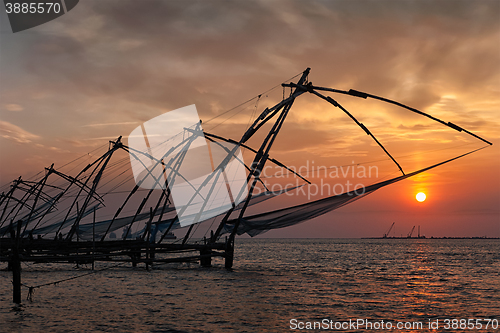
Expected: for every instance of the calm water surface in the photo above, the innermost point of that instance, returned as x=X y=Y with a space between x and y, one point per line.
x=273 y=281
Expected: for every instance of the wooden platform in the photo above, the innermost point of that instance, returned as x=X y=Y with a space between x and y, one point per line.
x=134 y=251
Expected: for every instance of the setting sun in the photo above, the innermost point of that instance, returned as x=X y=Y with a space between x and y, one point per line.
x=420 y=196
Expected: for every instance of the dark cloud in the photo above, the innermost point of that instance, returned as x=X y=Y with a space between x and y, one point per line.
x=162 y=53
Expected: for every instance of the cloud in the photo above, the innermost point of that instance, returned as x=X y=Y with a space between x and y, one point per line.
x=14 y=133
x=110 y=65
x=13 y=107
x=397 y=49
x=111 y=124
x=416 y=127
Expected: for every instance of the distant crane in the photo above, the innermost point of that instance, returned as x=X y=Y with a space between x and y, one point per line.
x=419 y=235
x=388 y=231
x=411 y=232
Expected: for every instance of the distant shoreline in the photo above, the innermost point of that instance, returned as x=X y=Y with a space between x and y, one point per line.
x=430 y=238
x=346 y=238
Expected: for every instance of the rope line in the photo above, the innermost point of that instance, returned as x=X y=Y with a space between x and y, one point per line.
x=31 y=289
x=251 y=99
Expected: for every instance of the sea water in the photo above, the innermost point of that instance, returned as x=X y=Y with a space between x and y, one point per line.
x=276 y=285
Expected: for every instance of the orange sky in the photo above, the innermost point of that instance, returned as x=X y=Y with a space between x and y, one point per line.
x=68 y=86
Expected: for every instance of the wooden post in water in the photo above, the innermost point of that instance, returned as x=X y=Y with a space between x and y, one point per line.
x=93 y=241
x=205 y=255
x=229 y=253
x=146 y=236
x=77 y=234
x=16 y=276
x=16 y=267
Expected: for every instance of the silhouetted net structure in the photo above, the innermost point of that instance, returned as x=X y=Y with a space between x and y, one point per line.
x=102 y=201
